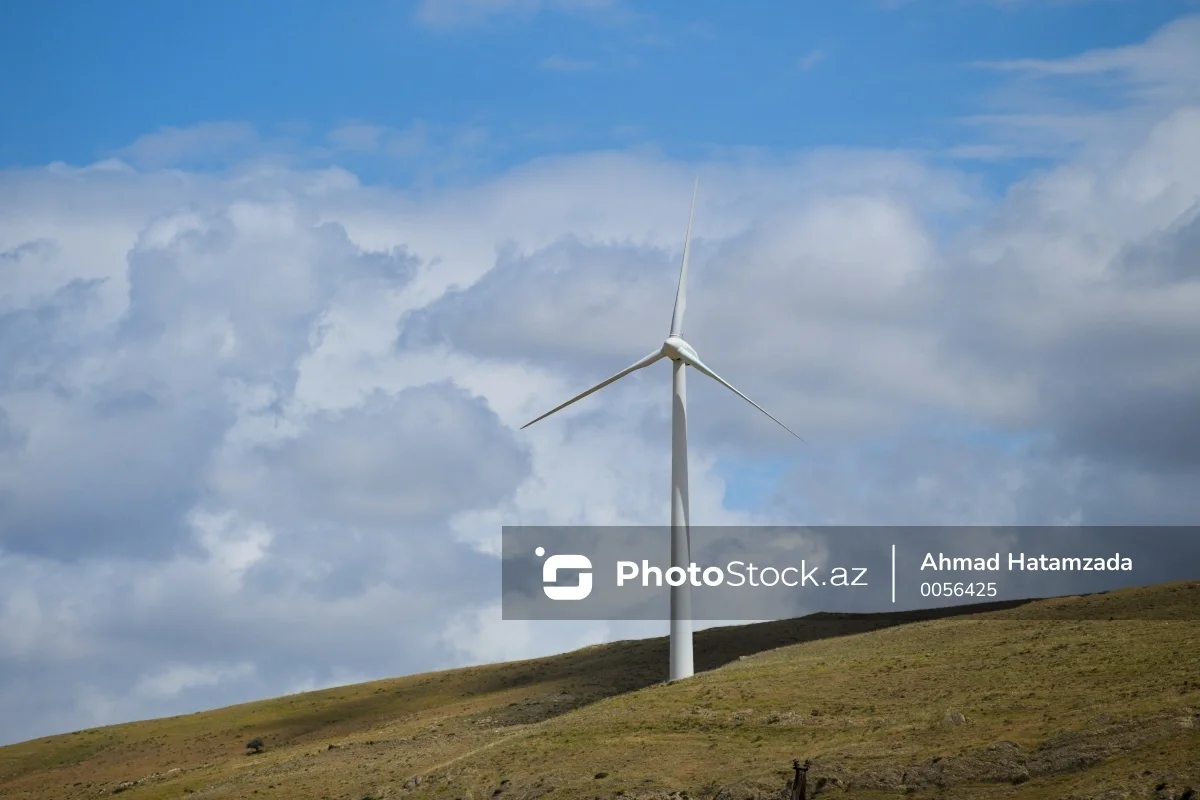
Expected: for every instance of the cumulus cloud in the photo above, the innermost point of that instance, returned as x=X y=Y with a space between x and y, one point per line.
x=403 y=458
x=258 y=427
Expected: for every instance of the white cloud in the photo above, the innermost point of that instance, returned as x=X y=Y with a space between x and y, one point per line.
x=1169 y=58
x=1102 y=99
x=171 y=145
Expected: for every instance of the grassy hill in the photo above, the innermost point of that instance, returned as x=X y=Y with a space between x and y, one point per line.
x=983 y=701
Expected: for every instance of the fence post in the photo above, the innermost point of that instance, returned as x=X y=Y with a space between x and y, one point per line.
x=800 y=782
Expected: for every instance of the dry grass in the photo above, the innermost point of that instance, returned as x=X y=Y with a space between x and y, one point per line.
x=1073 y=707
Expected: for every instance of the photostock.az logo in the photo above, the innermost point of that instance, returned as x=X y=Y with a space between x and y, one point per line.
x=569 y=561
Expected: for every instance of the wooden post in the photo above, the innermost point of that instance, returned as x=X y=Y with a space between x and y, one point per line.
x=800 y=782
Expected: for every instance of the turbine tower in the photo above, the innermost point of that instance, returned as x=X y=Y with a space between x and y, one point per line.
x=682 y=355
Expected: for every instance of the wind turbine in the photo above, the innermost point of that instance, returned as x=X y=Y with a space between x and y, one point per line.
x=681 y=355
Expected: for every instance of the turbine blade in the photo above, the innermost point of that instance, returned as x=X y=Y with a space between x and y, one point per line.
x=681 y=292
x=644 y=362
x=699 y=365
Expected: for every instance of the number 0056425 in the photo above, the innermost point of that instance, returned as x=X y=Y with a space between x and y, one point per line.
x=949 y=589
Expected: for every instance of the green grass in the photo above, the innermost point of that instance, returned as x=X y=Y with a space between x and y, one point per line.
x=1069 y=707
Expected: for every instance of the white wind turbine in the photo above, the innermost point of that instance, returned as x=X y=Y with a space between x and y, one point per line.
x=682 y=355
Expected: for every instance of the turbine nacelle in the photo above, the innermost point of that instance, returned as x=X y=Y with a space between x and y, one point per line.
x=676 y=349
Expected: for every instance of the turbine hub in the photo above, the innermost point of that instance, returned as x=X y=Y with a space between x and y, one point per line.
x=676 y=349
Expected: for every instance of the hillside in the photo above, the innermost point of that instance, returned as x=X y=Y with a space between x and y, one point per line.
x=983 y=701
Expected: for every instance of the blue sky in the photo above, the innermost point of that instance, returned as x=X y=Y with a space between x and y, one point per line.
x=86 y=79
x=280 y=282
